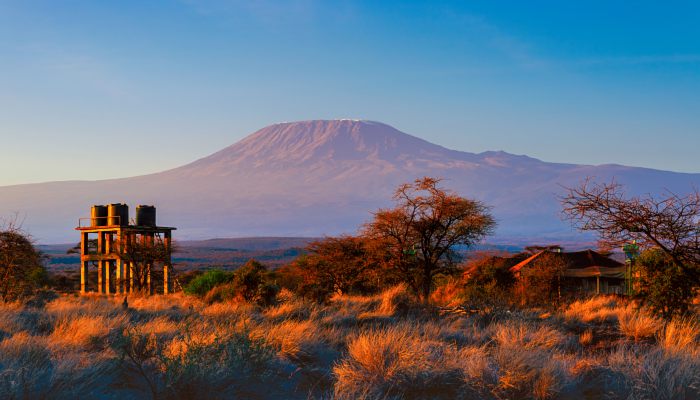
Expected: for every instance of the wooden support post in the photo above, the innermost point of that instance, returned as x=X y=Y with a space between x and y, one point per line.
x=166 y=278
x=100 y=264
x=100 y=276
x=108 y=275
x=131 y=277
x=84 y=277
x=119 y=284
x=597 y=284
x=167 y=243
x=84 y=243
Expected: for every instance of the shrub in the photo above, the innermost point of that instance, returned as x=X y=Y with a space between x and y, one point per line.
x=250 y=283
x=202 y=284
x=664 y=286
x=229 y=365
x=539 y=283
x=21 y=265
x=489 y=280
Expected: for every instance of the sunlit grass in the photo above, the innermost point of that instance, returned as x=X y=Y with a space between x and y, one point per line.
x=372 y=347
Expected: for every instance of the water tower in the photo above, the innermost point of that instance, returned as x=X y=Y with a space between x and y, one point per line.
x=126 y=254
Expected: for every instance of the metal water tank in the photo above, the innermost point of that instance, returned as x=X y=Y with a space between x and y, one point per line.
x=145 y=215
x=98 y=215
x=118 y=214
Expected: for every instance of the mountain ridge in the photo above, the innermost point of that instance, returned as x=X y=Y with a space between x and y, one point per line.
x=312 y=178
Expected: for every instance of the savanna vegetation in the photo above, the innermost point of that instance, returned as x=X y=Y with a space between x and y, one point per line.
x=394 y=312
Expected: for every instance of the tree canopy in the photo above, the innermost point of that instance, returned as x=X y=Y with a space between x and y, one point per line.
x=668 y=223
x=421 y=233
x=21 y=265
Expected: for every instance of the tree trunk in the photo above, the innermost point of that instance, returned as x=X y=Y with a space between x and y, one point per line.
x=427 y=283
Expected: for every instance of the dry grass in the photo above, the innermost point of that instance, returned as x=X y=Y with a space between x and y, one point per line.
x=599 y=309
x=639 y=325
x=360 y=347
x=681 y=336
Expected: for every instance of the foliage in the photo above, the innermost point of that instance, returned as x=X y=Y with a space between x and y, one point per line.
x=668 y=223
x=663 y=286
x=539 y=283
x=202 y=284
x=250 y=283
x=21 y=265
x=343 y=265
x=489 y=280
x=421 y=233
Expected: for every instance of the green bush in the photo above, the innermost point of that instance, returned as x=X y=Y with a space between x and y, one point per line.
x=252 y=283
x=664 y=287
x=202 y=284
x=22 y=268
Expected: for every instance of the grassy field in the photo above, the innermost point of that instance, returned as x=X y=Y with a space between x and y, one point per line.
x=380 y=347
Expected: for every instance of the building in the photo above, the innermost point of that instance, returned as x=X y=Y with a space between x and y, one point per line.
x=585 y=272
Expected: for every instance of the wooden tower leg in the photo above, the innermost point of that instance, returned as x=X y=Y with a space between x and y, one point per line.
x=119 y=283
x=131 y=277
x=84 y=240
x=167 y=242
x=100 y=276
x=166 y=279
x=101 y=250
x=84 y=277
x=108 y=276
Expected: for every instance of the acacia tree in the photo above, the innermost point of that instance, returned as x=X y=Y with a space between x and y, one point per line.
x=422 y=232
x=21 y=264
x=669 y=223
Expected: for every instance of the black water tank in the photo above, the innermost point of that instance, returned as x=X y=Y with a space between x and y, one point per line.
x=118 y=214
x=98 y=215
x=145 y=215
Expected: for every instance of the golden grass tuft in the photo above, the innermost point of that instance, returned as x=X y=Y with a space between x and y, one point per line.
x=84 y=331
x=681 y=335
x=639 y=325
x=597 y=309
x=527 y=336
x=294 y=340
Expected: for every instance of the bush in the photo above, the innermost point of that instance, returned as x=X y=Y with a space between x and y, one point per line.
x=21 y=265
x=250 y=283
x=233 y=365
x=489 y=280
x=204 y=283
x=540 y=283
x=664 y=287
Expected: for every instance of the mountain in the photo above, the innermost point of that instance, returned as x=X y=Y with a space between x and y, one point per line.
x=315 y=178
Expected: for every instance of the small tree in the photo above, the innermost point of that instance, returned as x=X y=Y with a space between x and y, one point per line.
x=344 y=264
x=668 y=222
x=422 y=232
x=662 y=284
x=21 y=264
x=539 y=283
x=488 y=279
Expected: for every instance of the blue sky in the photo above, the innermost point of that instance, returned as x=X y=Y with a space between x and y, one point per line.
x=150 y=85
